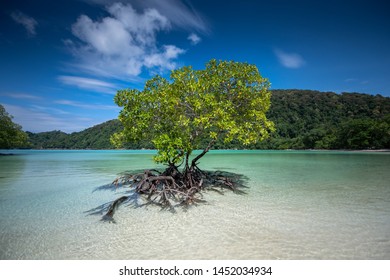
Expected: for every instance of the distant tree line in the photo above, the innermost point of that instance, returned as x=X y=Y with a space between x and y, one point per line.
x=304 y=119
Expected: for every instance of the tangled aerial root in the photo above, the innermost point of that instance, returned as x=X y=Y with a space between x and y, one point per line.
x=172 y=188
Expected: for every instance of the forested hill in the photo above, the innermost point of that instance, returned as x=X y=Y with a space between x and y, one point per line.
x=96 y=137
x=304 y=119
x=308 y=119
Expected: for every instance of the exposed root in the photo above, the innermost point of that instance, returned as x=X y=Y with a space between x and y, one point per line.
x=109 y=216
x=172 y=188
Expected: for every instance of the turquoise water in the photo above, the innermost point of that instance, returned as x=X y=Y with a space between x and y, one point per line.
x=299 y=205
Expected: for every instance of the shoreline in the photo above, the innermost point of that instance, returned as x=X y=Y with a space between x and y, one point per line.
x=342 y=150
x=294 y=150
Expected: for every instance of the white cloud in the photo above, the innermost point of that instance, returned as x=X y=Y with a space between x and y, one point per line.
x=142 y=27
x=194 y=39
x=28 y=22
x=289 y=60
x=122 y=44
x=180 y=13
x=165 y=58
x=89 y=84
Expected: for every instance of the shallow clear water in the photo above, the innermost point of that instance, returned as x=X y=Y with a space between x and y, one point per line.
x=299 y=205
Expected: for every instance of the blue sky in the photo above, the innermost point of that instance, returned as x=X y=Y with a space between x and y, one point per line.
x=61 y=62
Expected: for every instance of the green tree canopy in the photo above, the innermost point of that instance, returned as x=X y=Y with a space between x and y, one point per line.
x=227 y=100
x=192 y=110
x=11 y=134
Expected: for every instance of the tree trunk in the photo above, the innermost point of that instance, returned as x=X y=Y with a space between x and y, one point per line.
x=212 y=142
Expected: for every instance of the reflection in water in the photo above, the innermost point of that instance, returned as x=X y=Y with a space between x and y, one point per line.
x=11 y=167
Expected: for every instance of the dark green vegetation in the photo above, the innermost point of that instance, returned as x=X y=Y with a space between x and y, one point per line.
x=96 y=137
x=304 y=119
x=11 y=134
x=93 y=138
x=324 y=120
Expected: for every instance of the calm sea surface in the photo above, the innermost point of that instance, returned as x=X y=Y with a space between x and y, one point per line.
x=299 y=205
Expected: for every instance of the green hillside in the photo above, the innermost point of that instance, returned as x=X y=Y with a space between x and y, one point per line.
x=96 y=137
x=308 y=119
x=304 y=119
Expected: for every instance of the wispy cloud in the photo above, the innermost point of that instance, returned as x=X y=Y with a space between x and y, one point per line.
x=194 y=39
x=87 y=105
x=48 y=110
x=89 y=84
x=21 y=96
x=28 y=22
x=39 y=119
x=180 y=13
x=122 y=44
x=289 y=60
x=354 y=80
